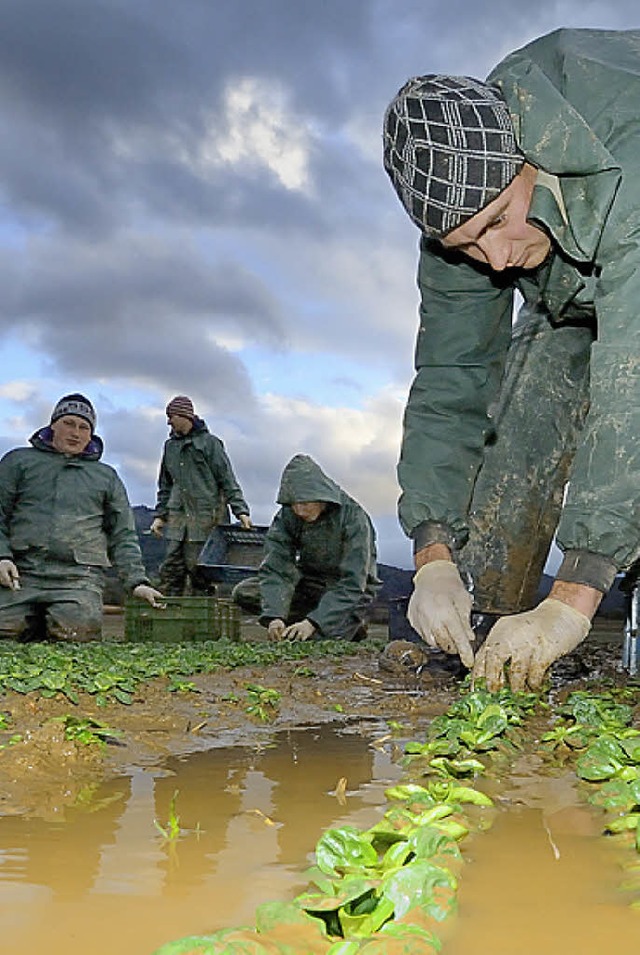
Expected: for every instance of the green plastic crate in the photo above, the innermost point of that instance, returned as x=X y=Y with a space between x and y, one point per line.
x=181 y=619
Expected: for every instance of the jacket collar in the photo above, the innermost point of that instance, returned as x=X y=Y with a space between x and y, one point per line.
x=556 y=138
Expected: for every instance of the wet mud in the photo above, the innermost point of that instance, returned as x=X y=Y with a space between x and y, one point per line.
x=80 y=826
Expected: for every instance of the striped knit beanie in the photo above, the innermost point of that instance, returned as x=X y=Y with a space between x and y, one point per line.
x=181 y=405
x=449 y=149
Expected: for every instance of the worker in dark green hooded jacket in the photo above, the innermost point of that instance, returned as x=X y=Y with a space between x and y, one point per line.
x=528 y=182
x=64 y=518
x=196 y=488
x=319 y=574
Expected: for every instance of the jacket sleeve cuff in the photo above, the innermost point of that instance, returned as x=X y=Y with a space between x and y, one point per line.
x=429 y=532
x=585 y=567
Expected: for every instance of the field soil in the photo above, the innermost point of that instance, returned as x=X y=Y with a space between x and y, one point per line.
x=45 y=772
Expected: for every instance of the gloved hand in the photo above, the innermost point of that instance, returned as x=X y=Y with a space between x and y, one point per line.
x=530 y=642
x=299 y=631
x=440 y=609
x=9 y=575
x=157 y=526
x=150 y=594
x=276 y=629
x=246 y=522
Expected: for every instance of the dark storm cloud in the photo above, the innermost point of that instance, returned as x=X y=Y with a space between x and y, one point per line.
x=144 y=311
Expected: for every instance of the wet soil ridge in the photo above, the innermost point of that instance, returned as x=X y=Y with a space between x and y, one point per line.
x=391 y=888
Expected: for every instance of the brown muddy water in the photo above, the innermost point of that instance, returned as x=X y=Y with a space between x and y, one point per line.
x=101 y=880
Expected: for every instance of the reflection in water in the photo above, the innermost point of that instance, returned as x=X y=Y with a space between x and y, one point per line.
x=101 y=880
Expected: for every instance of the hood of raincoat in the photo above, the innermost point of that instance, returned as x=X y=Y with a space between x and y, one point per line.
x=42 y=440
x=304 y=480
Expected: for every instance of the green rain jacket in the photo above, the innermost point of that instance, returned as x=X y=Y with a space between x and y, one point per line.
x=196 y=483
x=574 y=98
x=66 y=515
x=337 y=550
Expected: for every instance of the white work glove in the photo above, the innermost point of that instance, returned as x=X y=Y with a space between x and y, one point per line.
x=276 y=629
x=440 y=609
x=157 y=526
x=245 y=520
x=299 y=631
x=145 y=592
x=9 y=575
x=530 y=642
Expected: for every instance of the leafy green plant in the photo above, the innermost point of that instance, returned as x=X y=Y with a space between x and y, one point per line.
x=179 y=684
x=111 y=672
x=170 y=830
x=86 y=731
x=263 y=702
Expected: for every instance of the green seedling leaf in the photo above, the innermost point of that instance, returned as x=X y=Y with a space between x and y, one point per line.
x=457 y=767
x=364 y=924
x=632 y=749
x=428 y=842
x=624 y=823
x=394 y=939
x=603 y=759
x=344 y=850
x=344 y=947
x=464 y=794
x=415 y=884
x=342 y=892
x=617 y=794
x=396 y=855
x=410 y=792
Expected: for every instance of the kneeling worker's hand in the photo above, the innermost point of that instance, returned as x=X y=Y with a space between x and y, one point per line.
x=276 y=629
x=299 y=631
x=440 y=609
x=9 y=575
x=150 y=594
x=529 y=642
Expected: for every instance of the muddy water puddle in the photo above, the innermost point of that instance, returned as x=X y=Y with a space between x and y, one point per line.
x=102 y=880
x=544 y=881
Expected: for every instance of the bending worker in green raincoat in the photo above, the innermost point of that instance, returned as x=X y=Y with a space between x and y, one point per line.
x=64 y=518
x=196 y=487
x=529 y=181
x=318 y=575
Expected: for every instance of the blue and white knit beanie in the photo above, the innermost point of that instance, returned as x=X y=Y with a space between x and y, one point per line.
x=449 y=149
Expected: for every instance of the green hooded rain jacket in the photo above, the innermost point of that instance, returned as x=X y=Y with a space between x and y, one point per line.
x=574 y=99
x=337 y=551
x=195 y=484
x=66 y=515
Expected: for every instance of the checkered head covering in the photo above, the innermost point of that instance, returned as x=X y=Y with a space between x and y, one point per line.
x=449 y=149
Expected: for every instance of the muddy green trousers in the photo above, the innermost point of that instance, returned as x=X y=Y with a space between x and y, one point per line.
x=48 y=607
x=518 y=494
x=179 y=569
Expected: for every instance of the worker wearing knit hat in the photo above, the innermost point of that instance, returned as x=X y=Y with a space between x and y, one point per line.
x=65 y=517
x=182 y=406
x=449 y=149
x=77 y=405
x=525 y=187
x=196 y=488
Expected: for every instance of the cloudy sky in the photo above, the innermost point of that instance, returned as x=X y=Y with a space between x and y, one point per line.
x=193 y=202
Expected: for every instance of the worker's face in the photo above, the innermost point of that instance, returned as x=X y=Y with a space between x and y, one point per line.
x=179 y=424
x=499 y=235
x=71 y=434
x=308 y=511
